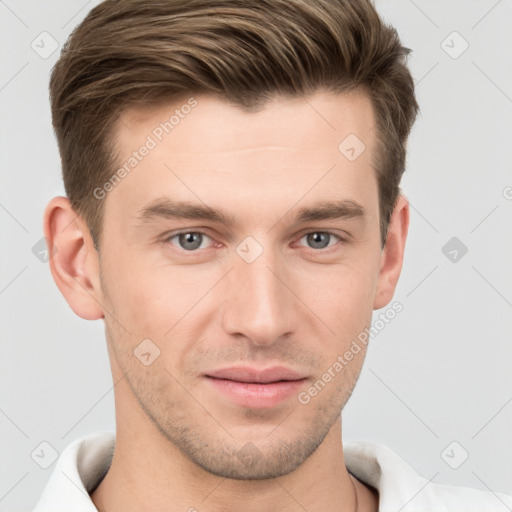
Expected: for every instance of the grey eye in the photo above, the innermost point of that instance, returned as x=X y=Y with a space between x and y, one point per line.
x=319 y=239
x=190 y=241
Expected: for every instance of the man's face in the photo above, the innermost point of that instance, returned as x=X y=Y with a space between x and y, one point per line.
x=266 y=290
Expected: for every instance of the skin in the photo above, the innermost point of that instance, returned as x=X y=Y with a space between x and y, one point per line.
x=179 y=439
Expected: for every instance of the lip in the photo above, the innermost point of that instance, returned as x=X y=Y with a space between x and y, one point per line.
x=252 y=387
x=254 y=375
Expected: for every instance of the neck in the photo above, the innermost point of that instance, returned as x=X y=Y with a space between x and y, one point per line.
x=150 y=473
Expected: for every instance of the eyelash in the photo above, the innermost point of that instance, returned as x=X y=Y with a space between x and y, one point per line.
x=325 y=250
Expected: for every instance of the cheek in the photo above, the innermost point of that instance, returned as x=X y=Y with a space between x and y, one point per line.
x=147 y=300
x=343 y=295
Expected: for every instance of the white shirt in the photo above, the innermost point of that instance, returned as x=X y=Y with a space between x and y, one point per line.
x=84 y=463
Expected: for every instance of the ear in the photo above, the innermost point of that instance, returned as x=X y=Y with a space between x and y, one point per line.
x=74 y=262
x=392 y=255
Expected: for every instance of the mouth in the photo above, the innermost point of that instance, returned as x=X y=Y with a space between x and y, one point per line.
x=251 y=387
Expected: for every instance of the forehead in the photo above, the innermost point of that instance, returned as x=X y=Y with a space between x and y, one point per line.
x=204 y=149
x=316 y=121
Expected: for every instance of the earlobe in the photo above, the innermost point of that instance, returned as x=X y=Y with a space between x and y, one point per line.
x=393 y=254
x=74 y=262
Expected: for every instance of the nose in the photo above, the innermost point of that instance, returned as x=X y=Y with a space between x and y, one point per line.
x=259 y=304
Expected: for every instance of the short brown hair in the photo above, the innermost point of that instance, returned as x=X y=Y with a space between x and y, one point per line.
x=129 y=52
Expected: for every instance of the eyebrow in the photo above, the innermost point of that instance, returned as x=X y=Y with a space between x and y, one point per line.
x=166 y=208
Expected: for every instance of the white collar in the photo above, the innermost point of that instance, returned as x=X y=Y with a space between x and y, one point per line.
x=82 y=465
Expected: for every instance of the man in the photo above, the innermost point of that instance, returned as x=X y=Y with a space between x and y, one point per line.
x=233 y=213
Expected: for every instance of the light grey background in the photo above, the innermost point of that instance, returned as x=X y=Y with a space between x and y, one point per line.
x=439 y=372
